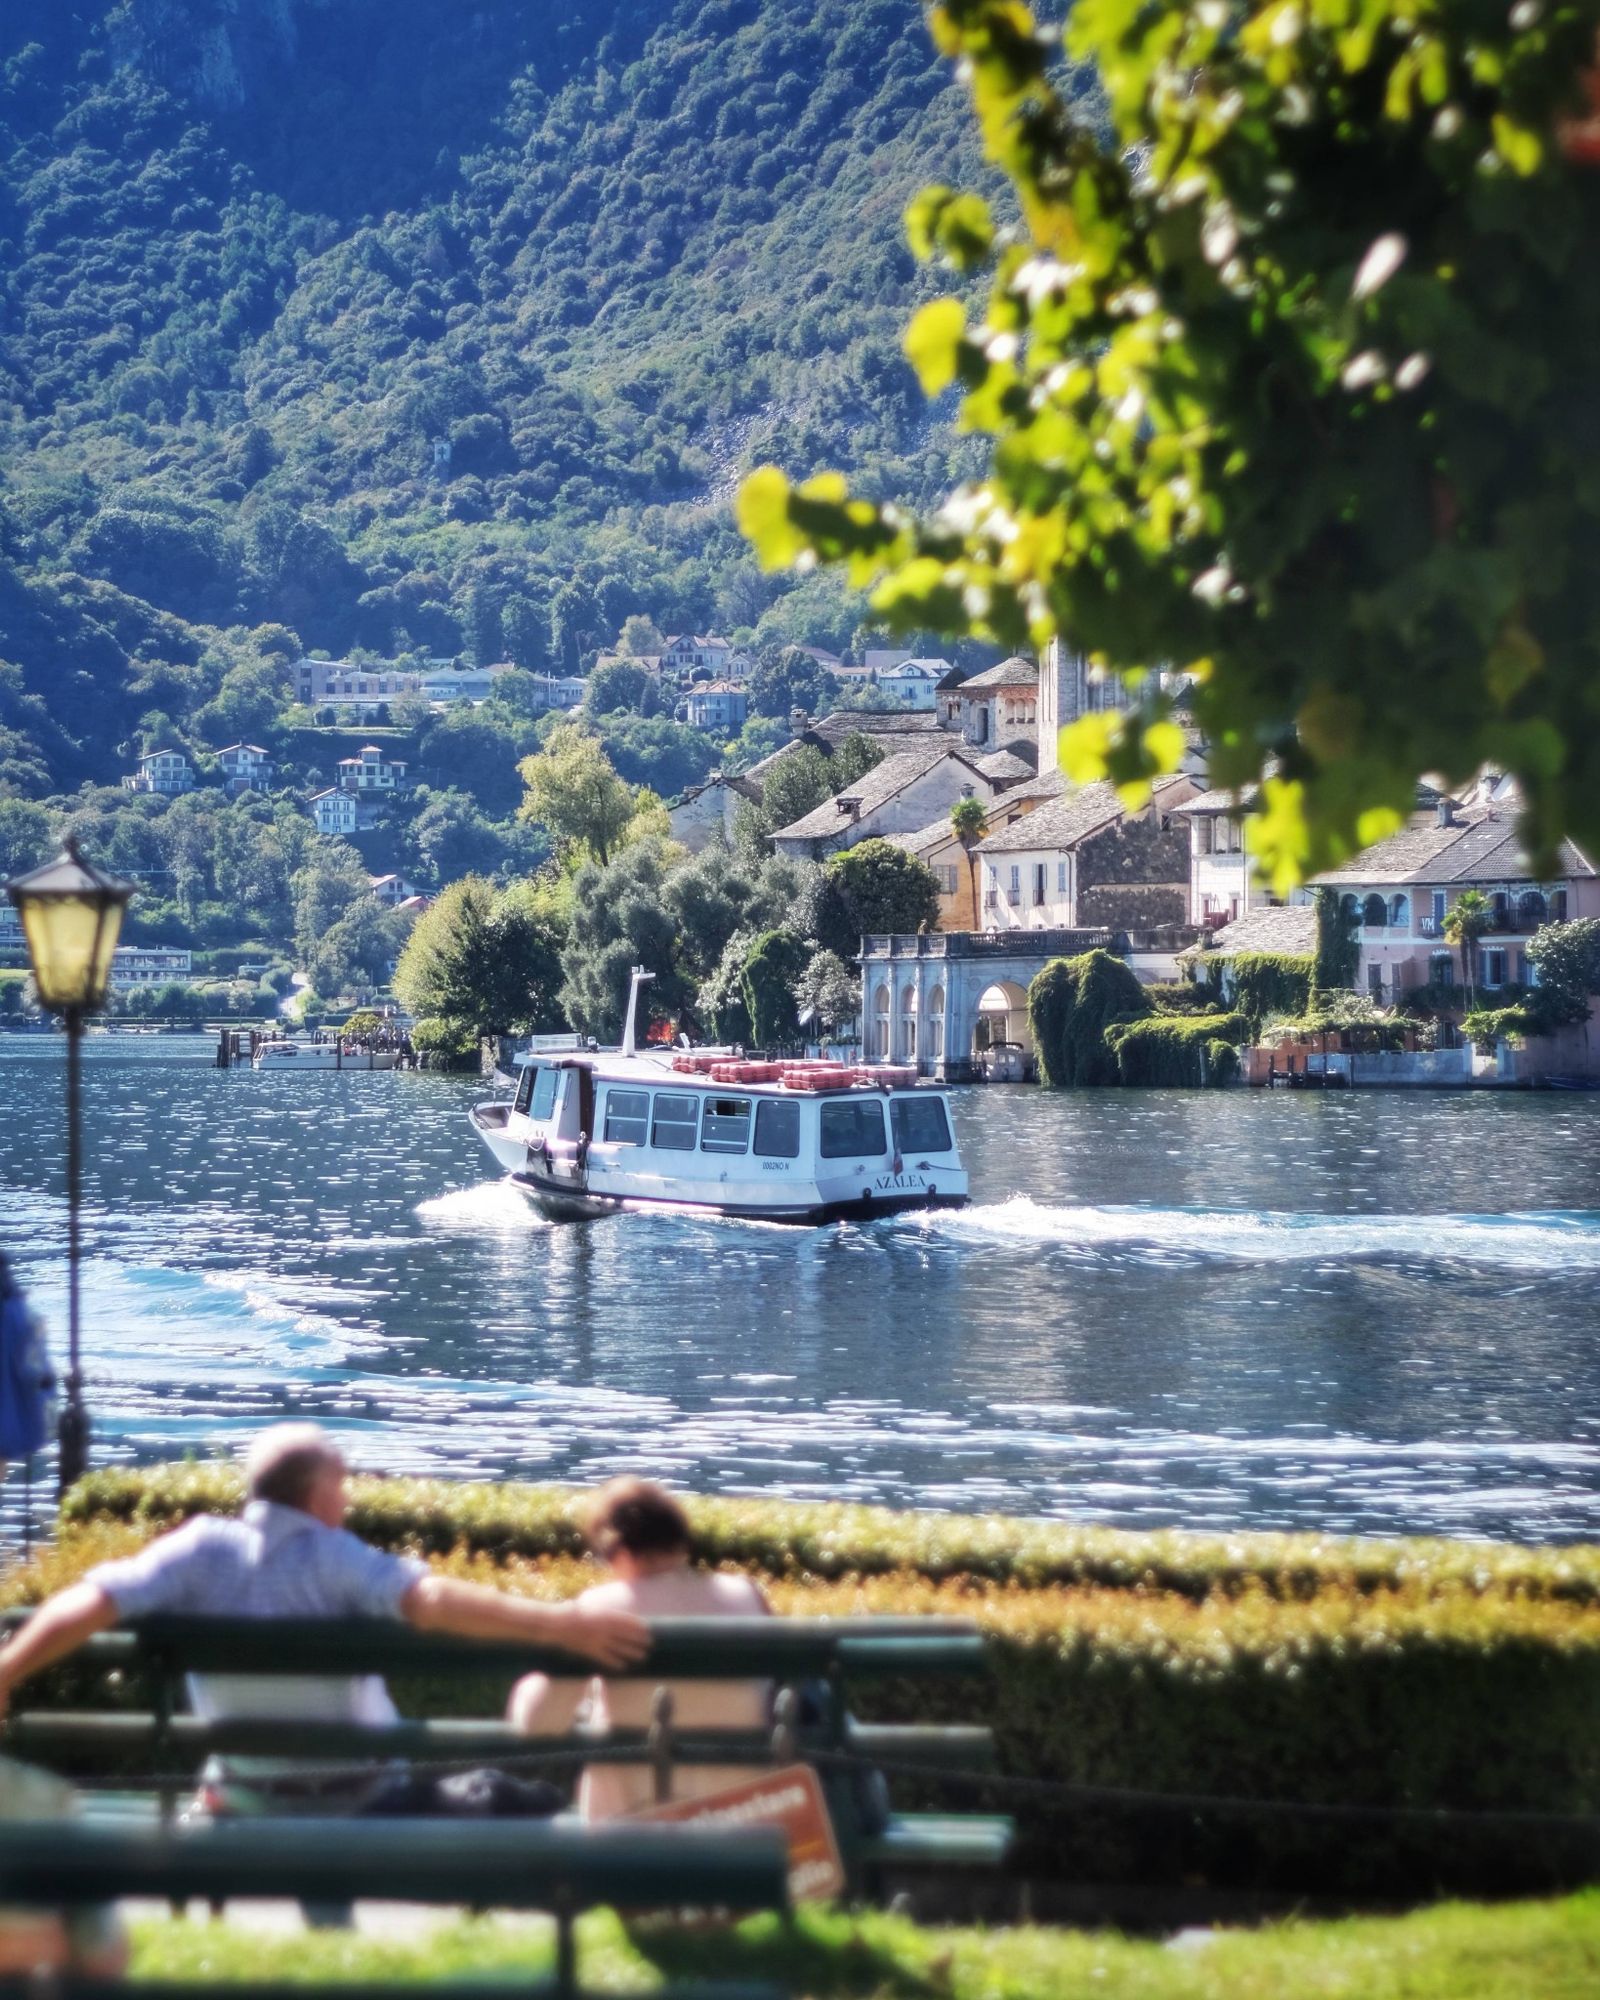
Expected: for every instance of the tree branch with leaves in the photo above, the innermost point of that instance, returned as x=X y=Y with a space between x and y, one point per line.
x=1287 y=369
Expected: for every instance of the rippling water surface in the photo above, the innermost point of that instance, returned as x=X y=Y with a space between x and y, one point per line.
x=1368 y=1313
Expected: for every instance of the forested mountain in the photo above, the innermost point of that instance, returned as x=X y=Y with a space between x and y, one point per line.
x=429 y=325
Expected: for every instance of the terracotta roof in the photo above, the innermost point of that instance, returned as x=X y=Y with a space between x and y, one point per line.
x=1015 y=672
x=1067 y=819
x=1287 y=927
x=873 y=789
x=1481 y=845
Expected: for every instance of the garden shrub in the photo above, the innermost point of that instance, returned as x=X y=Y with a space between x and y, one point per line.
x=1071 y=1003
x=1271 y=982
x=1184 y=996
x=1176 y=1052
x=1272 y=1666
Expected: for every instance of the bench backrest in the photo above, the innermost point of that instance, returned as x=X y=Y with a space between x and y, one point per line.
x=508 y=1864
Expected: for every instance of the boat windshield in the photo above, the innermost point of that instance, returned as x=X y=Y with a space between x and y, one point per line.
x=920 y=1125
x=852 y=1130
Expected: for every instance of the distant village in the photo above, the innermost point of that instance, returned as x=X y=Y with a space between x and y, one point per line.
x=1041 y=868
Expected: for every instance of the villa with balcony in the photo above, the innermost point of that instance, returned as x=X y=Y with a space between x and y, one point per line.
x=1401 y=891
x=168 y=773
x=369 y=771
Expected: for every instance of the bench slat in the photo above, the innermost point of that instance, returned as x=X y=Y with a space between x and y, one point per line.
x=691 y=1648
x=49 y=1732
x=924 y=1840
x=509 y=1864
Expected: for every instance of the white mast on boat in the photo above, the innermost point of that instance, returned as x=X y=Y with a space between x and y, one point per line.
x=640 y=978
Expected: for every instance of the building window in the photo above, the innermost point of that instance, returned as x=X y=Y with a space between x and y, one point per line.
x=1439 y=900
x=1493 y=972
x=1399 y=913
x=1374 y=913
x=1558 y=906
x=1038 y=884
x=1375 y=981
x=1014 y=888
x=1061 y=878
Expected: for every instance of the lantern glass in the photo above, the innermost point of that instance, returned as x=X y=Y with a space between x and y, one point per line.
x=71 y=917
x=70 y=942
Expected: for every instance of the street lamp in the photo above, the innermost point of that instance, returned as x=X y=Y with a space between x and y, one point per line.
x=71 y=915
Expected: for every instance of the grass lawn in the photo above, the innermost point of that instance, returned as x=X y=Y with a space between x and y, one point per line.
x=1456 y=1951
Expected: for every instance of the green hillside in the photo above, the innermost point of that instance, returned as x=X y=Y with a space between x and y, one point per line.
x=407 y=327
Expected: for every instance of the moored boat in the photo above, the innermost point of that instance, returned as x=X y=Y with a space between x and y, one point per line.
x=589 y=1132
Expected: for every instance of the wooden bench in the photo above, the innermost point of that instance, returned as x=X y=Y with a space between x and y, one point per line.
x=508 y=1865
x=821 y=1657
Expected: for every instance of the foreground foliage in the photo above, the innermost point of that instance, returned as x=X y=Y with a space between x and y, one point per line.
x=1456 y=1952
x=1288 y=378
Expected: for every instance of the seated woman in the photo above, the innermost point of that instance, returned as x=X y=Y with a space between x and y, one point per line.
x=642 y=1536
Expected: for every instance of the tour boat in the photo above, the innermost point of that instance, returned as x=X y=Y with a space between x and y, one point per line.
x=282 y=1053
x=589 y=1132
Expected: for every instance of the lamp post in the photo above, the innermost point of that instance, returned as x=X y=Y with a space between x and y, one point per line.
x=71 y=916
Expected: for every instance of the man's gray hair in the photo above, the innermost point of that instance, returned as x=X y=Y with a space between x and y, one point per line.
x=284 y=1463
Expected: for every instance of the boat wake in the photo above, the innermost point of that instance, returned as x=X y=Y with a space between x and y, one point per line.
x=1541 y=1243
x=495 y=1206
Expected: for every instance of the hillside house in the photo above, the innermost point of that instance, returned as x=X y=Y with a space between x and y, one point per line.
x=246 y=767
x=1082 y=861
x=697 y=652
x=341 y=812
x=136 y=965
x=391 y=890
x=912 y=684
x=369 y=771
x=168 y=773
x=344 y=684
x=445 y=686
x=718 y=707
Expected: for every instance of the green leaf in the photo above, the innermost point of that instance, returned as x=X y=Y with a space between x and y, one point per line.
x=933 y=343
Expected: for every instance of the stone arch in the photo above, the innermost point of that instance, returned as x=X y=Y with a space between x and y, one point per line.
x=1400 y=913
x=879 y=1049
x=1002 y=1016
x=908 y=1050
x=933 y=1033
x=1374 y=912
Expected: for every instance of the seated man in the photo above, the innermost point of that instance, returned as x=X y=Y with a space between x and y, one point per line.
x=290 y=1556
x=642 y=1535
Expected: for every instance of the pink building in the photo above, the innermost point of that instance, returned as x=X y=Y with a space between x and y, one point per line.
x=1402 y=890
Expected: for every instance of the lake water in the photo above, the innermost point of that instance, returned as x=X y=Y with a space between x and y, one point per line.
x=1360 y=1313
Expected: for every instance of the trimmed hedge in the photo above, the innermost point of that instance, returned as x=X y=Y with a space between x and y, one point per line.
x=1179 y=1051
x=1271 y=1666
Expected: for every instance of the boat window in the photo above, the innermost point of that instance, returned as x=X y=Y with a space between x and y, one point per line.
x=524 y=1086
x=725 y=1127
x=777 y=1129
x=544 y=1094
x=853 y=1130
x=627 y=1116
x=920 y=1125
x=674 y=1121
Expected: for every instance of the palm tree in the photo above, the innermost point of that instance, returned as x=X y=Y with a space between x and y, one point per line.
x=968 y=821
x=1466 y=920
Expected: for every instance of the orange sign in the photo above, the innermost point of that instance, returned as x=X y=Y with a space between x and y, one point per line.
x=789 y=1798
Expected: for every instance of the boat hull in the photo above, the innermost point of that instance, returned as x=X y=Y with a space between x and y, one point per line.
x=564 y=1204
